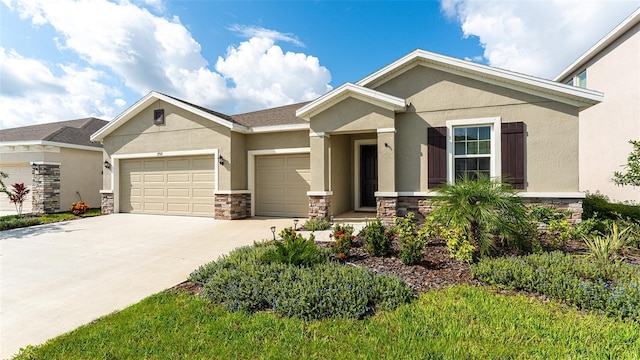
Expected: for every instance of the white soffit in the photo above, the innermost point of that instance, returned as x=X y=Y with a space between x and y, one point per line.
x=348 y=90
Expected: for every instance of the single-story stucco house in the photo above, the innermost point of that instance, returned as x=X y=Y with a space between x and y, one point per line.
x=382 y=144
x=56 y=161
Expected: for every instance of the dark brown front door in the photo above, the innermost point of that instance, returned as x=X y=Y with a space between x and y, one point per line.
x=368 y=175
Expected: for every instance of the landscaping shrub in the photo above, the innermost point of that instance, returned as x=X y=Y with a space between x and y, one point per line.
x=316 y=225
x=17 y=221
x=458 y=244
x=411 y=243
x=377 y=237
x=545 y=214
x=343 y=240
x=612 y=289
x=597 y=206
x=605 y=248
x=293 y=249
x=562 y=231
x=80 y=207
x=244 y=281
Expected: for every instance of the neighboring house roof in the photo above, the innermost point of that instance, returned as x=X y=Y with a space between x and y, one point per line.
x=72 y=132
x=628 y=23
x=347 y=90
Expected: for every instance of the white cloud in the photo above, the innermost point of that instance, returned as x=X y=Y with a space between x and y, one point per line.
x=536 y=37
x=123 y=43
x=31 y=93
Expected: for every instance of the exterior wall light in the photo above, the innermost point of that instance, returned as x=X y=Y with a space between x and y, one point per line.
x=107 y=165
x=220 y=159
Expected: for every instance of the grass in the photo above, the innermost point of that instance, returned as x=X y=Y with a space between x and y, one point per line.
x=14 y=221
x=457 y=322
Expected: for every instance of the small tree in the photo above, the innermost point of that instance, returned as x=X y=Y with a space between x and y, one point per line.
x=632 y=174
x=17 y=195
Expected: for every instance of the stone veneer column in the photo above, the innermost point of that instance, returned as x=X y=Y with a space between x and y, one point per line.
x=232 y=206
x=45 y=190
x=320 y=205
x=107 y=202
x=387 y=209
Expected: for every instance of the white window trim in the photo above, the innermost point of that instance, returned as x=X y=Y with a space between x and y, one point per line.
x=115 y=167
x=356 y=172
x=495 y=123
x=251 y=167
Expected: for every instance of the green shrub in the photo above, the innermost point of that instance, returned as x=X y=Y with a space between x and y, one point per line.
x=342 y=240
x=546 y=213
x=243 y=281
x=458 y=244
x=605 y=248
x=377 y=237
x=612 y=289
x=17 y=221
x=294 y=249
x=562 y=231
x=316 y=225
x=597 y=206
x=411 y=245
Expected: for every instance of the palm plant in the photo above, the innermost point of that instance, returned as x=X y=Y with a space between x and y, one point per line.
x=485 y=211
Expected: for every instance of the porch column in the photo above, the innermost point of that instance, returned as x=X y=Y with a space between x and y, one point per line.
x=387 y=160
x=319 y=194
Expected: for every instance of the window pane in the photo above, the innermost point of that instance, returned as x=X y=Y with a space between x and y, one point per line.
x=472 y=133
x=460 y=134
x=472 y=148
x=484 y=133
x=484 y=147
x=460 y=149
x=472 y=164
x=484 y=164
x=582 y=79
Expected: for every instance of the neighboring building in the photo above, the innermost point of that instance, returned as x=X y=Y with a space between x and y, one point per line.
x=613 y=67
x=57 y=162
x=382 y=145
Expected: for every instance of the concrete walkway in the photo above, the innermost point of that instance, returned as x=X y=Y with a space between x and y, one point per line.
x=56 y=277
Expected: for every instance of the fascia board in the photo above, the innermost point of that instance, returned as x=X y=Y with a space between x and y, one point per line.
x=515 y=81
x=277 y=128
x=351 y=90
x=148 y=100
x=50 y=143
x=628 y=23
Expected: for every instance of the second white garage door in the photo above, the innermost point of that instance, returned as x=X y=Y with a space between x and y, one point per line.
x=172 y=185
x=281 y=185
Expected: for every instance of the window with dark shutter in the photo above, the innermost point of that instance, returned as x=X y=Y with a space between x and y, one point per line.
x=437 y=156
x=512 y=153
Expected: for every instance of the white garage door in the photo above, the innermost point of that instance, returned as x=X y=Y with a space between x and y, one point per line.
x=171 y=185
x=281 y=185
x=18 y=173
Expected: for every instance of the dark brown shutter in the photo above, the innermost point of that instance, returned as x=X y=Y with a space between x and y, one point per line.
x=513 y=153
x=437 y=156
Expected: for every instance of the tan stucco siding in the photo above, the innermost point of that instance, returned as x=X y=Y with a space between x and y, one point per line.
x=238 y=161
x=80 y=172
x=288 y=139
x=341 y=173
x=352 y=115
x=183 y=131
x=551 y=140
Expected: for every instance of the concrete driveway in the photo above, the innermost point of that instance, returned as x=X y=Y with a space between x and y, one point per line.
x=57 y=277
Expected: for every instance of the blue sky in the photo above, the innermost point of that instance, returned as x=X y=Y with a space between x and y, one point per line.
x=68 y=59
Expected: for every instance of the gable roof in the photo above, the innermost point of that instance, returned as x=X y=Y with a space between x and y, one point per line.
x=579 y=97
x=152 y=97
x=628 y=23
x=348 y=90
x=72 y=132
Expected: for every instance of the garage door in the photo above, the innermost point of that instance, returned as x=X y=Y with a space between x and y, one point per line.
x=18 y=173
x=171 y=185
x=281 y=185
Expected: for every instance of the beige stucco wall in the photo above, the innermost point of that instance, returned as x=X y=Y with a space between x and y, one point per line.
x=436 y=96
x=342 y=170
x=352 y=115
x=183 y=131
x=606 y=128
x=80 y=170
x=288 y=139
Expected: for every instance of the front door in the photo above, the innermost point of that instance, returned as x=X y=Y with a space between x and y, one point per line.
x=368 y=175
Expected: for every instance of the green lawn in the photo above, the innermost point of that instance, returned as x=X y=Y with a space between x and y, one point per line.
x=14 y=221
x=458 y=322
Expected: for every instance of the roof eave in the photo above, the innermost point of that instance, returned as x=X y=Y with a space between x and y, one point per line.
x=148 y=100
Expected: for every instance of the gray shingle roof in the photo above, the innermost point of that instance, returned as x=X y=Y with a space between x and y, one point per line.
x=76 y=132
x=283 y=115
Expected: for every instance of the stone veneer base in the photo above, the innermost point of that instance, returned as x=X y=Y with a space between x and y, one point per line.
x=107 y=203
x=320 y=207
x=45 y=191
x=232 y=206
